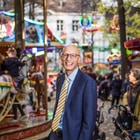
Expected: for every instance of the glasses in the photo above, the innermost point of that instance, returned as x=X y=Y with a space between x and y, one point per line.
x=72 y=56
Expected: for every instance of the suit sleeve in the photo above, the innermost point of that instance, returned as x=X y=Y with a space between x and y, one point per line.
x=89 y=110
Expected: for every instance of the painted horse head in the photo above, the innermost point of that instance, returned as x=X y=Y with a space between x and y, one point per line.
x=28 y=63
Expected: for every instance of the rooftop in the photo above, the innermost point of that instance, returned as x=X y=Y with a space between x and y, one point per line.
x=67 y=6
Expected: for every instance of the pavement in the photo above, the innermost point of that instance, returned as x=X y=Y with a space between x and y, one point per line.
x=107 y=126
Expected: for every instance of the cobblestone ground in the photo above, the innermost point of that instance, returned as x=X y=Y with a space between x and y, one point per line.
x=107 y=126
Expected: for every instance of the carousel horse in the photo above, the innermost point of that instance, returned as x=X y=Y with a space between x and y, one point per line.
x=37 y=81
x=6 y=101
x=8 y=88
x=30 y=93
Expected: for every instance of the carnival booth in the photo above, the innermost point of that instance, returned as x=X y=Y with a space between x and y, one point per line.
x=114 y=60
x=134 y=45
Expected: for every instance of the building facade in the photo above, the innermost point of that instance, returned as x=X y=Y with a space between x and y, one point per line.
x=64 y=20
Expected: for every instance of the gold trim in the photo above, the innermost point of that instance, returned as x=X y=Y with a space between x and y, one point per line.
x=5 y=84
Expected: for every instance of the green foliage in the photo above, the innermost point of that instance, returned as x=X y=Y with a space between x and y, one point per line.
x=133 y=25
x=132 y=13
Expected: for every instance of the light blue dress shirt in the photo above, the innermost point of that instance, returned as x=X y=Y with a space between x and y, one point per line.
x=71 y=77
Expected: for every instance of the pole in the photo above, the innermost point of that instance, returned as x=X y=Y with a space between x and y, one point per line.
x=22 y=24
x=92 y=49
x=19 y=24
x=45 y=54
x=15 y=18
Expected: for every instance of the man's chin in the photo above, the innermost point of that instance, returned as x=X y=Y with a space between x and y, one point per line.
x=68 y=67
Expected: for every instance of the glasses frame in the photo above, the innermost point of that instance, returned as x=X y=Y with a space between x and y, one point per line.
x=72 y=55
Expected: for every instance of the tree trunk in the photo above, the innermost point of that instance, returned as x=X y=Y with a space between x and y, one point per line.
x=124 y=62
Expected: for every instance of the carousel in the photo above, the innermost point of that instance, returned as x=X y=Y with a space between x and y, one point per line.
x=38 y=116
x=34 y=121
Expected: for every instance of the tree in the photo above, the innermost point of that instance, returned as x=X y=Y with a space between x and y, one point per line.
x=124 y=61
x=128 y=22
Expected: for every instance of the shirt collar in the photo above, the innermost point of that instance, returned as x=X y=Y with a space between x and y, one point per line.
x=73 y=74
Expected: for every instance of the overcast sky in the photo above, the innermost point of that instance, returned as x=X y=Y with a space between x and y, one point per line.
x=110 y=2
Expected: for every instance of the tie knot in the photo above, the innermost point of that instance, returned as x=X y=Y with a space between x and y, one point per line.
x=67 y=79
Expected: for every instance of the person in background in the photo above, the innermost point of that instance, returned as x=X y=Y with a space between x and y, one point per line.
x=2 y=71
x=126 y=83
x=104 y=88
x=12 y=65
x=84 y=69
x=90 y=73
x=115 y=86
x=132 y=97
x=78 y=117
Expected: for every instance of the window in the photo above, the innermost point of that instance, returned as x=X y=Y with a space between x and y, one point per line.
x=75 y=25
x=59 y=25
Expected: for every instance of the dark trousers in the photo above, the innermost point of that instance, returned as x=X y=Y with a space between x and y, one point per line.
x=115 y=100
x=17 y=106
x=19 y=83
x=53 y=136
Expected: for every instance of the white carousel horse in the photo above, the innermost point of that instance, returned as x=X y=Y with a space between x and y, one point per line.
x=8 y=86
x=30 y=91
x=6 y=100
x=28 y=61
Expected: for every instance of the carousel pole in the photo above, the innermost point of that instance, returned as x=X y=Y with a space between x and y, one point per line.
x=45 y=54
x=15 y=20
x=22 y=24
x=19 y=24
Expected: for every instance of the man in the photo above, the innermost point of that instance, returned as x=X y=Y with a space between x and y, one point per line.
x=78 y=117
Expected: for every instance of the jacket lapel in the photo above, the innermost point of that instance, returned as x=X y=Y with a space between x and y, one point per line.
x=60 y=81
x=75 y=85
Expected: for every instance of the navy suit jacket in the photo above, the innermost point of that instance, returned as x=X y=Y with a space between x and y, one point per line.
x=80 y=109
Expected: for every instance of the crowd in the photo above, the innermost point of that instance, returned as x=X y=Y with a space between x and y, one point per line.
x=127 y=90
